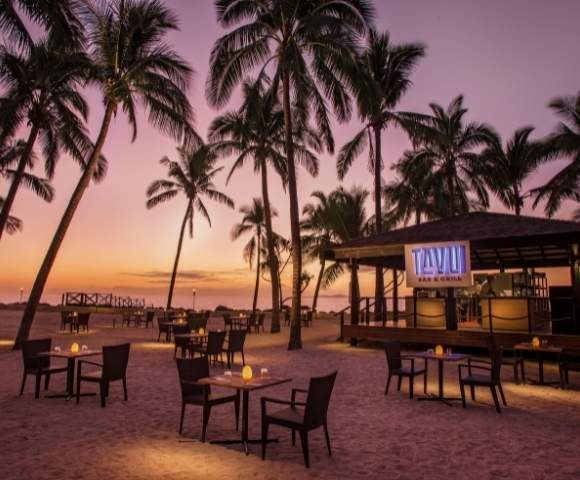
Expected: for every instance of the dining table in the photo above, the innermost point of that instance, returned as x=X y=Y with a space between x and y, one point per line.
x=441 y=359
x=541 y=350
x=236 y=382
x=71 y=364
x=238 y=320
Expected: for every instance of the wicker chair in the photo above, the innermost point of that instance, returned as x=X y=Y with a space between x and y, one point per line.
x=83 y=321
x=36 y=365
x=490 y=380
x=301 y=416
x=395 y=367
x=236 y=340
x=182 y=343
x=569 y=361
x=113 y=368
x=213 y=348
x=192 y=393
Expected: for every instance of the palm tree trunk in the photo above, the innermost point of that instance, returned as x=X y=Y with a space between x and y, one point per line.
x=318 y=283
x=272 y=257
x=256 y=288
x=354 y=293
x=379 y=280
x=43 y=273
x=24 y=159
x=295 y=340
x=451 y=188
x=517 y=206
x=177 y=255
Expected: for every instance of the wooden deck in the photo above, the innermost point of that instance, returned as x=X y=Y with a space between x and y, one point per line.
x=450 y=338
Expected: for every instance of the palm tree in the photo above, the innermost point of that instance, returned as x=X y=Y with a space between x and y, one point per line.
x=348 y=223
x=446 y=146
x=565 y=141
x=14 y=224
x=385 y=77
x=191 y=176
x=306 y=45
x=42 y=89
x=59 y=17
x=253 y=221
x=507 y=168
x=414 y=193
x=318 y=236
x=132 y=64
x=256 y=130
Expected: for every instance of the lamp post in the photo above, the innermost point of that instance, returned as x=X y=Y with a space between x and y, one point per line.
x=194 y=292
x=21 y=294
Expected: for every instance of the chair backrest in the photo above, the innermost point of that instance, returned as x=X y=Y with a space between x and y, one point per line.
x=115 y=360
x=236 y=340
x=180 y=330
x=206 y=315
x=191 y=370
x=252 y=318
x=194 y=324
x=227 y=320
x=215 y=342
x=65 y=316
x=150 y=315
x=309 y=316
x=83 y=318
x=261 y=318
x=496 y=365
x=318 y=398
x=393 y=353
x=202 y=323
x=30 y=351
x=287 y=316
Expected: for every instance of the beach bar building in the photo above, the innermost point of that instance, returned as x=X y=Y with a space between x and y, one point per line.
x=471 y=275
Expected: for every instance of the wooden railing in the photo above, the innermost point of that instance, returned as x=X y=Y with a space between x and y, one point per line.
x=81 y=299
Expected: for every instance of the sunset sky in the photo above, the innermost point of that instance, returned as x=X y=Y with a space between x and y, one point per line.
x=508 y=58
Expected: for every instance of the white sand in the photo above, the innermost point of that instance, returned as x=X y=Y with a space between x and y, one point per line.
x=373 y=436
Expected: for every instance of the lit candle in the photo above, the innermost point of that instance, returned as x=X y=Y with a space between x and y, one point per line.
x=439 y=350
x=247 y=373
x=74 y=348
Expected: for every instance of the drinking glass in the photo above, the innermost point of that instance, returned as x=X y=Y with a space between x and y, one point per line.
x=227 y=373
x=84 y=348
x=57 y=348
x=263 y=372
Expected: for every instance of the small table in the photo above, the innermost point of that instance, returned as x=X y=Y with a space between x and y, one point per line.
x=541 y=350
x=236 y=382
x=71 y=359
x=441 y=359
x=193 y=337
x=170 y=325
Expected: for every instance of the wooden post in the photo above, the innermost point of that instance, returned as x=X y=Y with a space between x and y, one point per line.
x=368 y=310
x=395 y=295
x=490 y=315
x=341 y=337
x=575 y=279
x=451 y=310
x=354 y=297
x=414 y=310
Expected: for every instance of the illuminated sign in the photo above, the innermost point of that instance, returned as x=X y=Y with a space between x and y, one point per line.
x=434 y=265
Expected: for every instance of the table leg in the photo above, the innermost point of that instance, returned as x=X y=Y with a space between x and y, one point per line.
x=70 y=376
x=245 y=419
x=440 y=368
x=541 y=367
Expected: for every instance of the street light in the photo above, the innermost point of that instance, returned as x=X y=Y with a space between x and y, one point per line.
x=194 y=292
x=21 y=293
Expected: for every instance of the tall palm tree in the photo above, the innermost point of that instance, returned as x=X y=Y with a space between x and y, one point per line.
x=310 y=47
x=446 y=146
x=385 y=77
x=317 y=235
x=191 y=176
x=565 y=141
x=256 y=130
x=350 y=222
x=253 y=221
x=42 y=89
x=508 y=167
x=132 y=65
